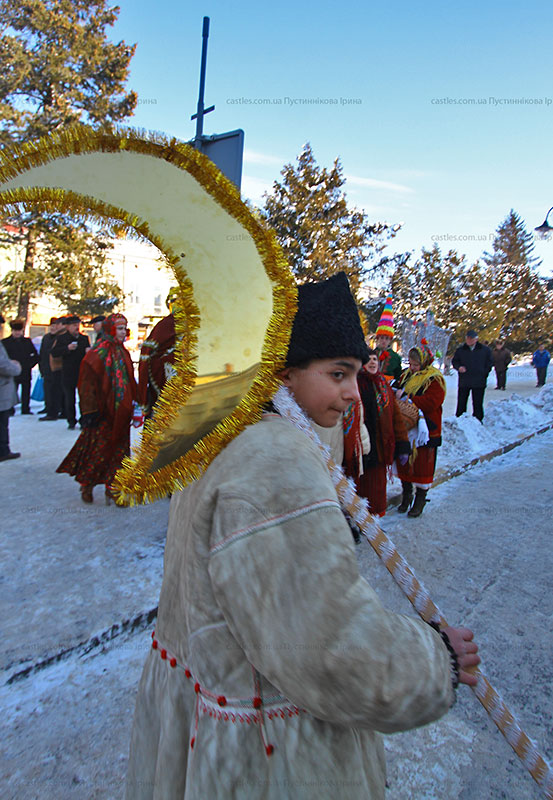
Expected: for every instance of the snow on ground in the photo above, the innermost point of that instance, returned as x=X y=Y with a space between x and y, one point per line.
x=482 y=548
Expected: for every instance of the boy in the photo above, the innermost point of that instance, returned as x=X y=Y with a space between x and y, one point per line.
x=273 y=664
x=390 y=362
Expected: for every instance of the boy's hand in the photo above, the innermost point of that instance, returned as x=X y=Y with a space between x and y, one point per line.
x=466 y=650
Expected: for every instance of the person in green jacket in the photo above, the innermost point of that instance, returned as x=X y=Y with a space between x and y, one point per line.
x=390 y=362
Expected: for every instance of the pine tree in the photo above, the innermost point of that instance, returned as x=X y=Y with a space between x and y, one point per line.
x=57 y=67
x=440 y=285
x=405 y=289
x=319 y=233
x=476 y=305
x=518 y=298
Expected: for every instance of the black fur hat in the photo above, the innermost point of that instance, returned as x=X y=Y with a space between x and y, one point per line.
x=327 y=323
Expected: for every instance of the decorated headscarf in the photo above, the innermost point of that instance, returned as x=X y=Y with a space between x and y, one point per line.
x=415 y=382
x=111 y=355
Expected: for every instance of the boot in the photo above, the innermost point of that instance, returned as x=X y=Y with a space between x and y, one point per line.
x=418 y=505
x=86 y=493
x=406 y=497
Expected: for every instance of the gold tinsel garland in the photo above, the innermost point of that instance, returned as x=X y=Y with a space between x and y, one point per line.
x=135 y=482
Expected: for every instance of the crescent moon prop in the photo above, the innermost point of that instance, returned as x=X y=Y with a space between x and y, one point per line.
x=237 y=297
x=237 y=303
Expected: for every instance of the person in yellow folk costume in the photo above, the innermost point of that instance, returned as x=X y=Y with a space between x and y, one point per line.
x=274 y=667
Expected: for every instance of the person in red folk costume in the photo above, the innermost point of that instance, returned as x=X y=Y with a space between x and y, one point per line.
x=424 y=385
x=388 y=434
x=107 y=390
x=157 y=359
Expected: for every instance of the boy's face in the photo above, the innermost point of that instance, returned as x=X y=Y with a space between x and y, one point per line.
x=324 y=389
x=383 y=342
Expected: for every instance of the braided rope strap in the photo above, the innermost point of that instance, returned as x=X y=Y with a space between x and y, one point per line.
x=358 y=509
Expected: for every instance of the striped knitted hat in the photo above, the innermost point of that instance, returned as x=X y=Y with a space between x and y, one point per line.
x=386 y=324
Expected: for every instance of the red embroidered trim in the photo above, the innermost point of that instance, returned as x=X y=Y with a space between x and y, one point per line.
x=205 y=699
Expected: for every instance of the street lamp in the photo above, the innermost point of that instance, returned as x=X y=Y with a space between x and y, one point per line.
x=545 y=229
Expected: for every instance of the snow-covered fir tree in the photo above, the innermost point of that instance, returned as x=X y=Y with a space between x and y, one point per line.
x=319 y=233
x=517 y=296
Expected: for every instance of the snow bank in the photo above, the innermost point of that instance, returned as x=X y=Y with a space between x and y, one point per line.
x=464 y=438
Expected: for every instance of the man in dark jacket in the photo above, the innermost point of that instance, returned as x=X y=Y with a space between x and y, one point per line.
x=71 y=346
x=501 y=360
x=20 y=348
x=473 y=361
x=96 y=323
x=52 y=379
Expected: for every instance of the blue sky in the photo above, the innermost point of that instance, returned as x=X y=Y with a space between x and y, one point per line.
x=449 y=171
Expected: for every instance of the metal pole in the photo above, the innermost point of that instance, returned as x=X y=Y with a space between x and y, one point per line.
x=201 y=111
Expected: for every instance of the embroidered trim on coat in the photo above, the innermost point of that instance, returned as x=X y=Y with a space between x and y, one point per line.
x=272 y=522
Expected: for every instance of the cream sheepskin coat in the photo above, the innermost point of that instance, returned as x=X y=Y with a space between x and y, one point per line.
x=274 y=666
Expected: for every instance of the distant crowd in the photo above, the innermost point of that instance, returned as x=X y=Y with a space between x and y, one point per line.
x=396 y=428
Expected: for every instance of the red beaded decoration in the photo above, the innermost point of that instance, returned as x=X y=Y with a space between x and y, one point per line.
x=154 y=644
x=192 y=740
x=257 y=702
x=163 y=654
x=196 y=687
x=222 y=700
x=173 y=662
x=187 y=673
x=269 y=749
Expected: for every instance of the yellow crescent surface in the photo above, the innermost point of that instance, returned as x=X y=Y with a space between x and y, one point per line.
x=237 y=298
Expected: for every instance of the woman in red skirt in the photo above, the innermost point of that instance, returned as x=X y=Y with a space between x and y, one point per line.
x=425 y=386
x=107 y=390
x=387 y=432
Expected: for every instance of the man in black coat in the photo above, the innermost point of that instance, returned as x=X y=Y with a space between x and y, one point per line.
x=71 y=346
x=473 y=361
x=20 y=348
x=52 y=379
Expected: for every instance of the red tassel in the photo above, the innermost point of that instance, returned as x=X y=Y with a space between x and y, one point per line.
x=154 y=644
x=163 y=654
x=269 y=749
x=257 y=702
x=192 y=740
x=222 y=700
x=197 y=688
x=173 y=662
x=187 y=673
